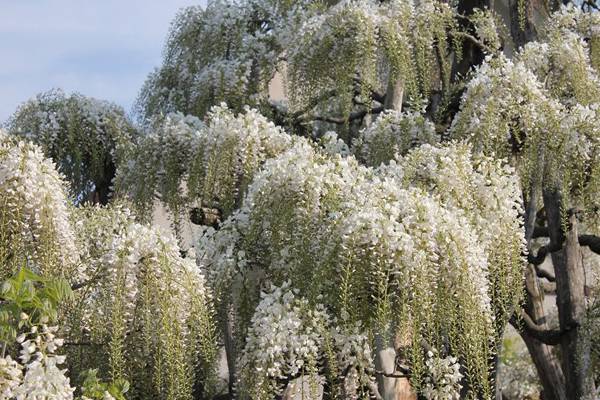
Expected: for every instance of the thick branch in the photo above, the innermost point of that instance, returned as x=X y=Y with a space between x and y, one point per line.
x=539 y=232
x=542 y=273
x=591 y=241
x=205 y=216
x=378 y=97
x=392 y=374
x=542 y=253
x=352 y=117
x=550 y=337
x=475 y=41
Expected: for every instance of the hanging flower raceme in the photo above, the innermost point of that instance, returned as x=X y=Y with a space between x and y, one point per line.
x=285 y=216
x=11 y=374
x=382 y=248
x=34 y=218
x=284 y=341
x=443 y=378
x=38 y=376
x=160 y=162
x=544 y=120
x=84 y=136
x=393 y=133
x=185 y=162
x=145 y=306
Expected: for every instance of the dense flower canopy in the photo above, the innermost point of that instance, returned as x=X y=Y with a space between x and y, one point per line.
x=85 y=137
x=140 y=297
x=135 y=294
x=546 y=118
x=329 y=53
x=186 y=162
x=382 y=209
x=389 y=236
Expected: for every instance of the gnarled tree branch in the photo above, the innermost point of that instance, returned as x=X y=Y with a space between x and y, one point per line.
x=547 y=336
x=591 y=241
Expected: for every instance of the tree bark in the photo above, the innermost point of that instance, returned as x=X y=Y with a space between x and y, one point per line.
x=391 y=388
x=230 y=345
x=546 y=364
x=570 y=300
x=394 y=94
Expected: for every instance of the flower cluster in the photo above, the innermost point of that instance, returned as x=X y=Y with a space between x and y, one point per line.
x=42 y=376
x=487 y=192
x=284 y=340
x=187 y=162
x=34 y=219
x=160 y=161
x=443 y=378
x=393 y=133
x=11 y=374
x=288 y=338
x=82 y=135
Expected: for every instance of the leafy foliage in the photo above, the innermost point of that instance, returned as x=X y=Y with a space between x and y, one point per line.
x=185 y=162
x=226 y=52
x=385 y=253
x=86 y=137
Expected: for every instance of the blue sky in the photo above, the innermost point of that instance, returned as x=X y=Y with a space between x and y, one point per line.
x=100 y=48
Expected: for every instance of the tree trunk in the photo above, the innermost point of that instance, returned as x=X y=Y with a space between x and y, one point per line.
x=390 y=388
x=385 y=353
x=230 y=345
x=394 y=94
x=547 y=366
x=570 y=300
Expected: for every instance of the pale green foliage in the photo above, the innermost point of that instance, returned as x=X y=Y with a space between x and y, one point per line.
x=362 y=38
x=545 y=120
x=485 y=191
x=141 y=311
x=143 y=306
x=380 y=250
x=393 y=133
x=34 y=226
x=28 y=302
x=86 y=137
x=227 y=51
x=186 y=162
x=94 y=389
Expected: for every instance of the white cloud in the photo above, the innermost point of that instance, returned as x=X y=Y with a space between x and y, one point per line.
x=101 y=48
